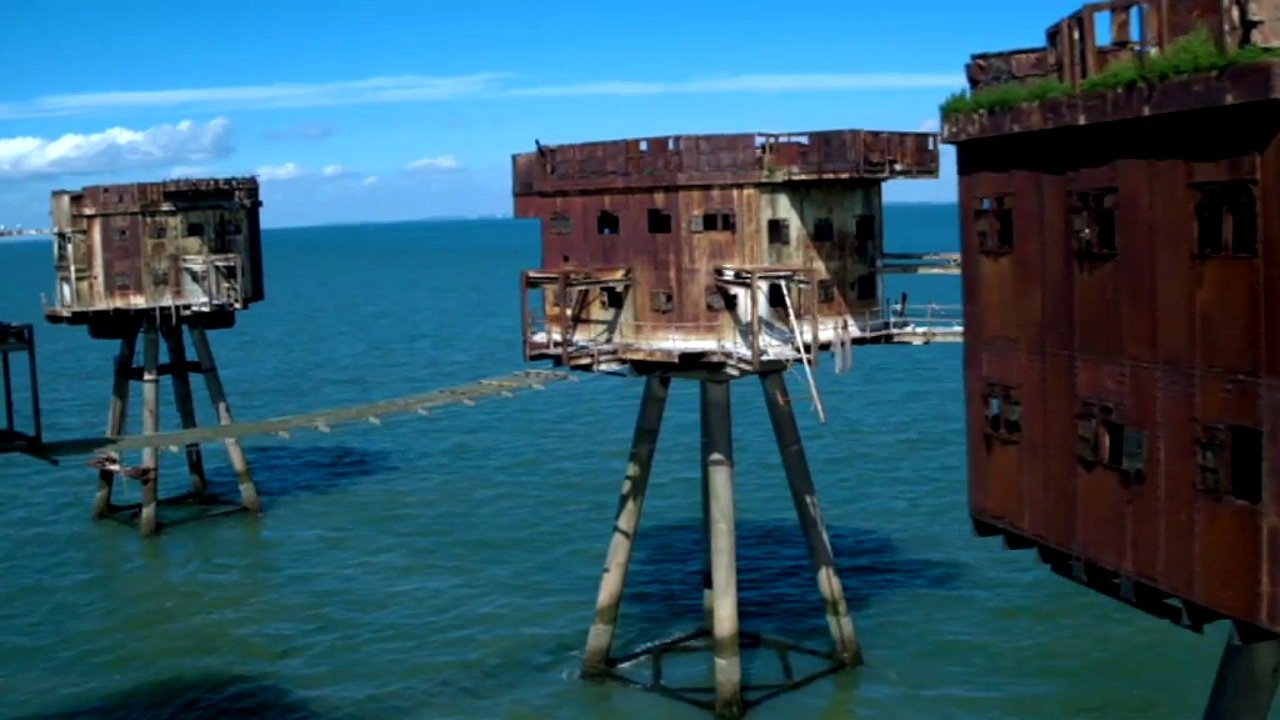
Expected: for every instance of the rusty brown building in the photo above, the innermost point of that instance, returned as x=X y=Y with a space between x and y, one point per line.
x=188 y=246
x=711 y=250
x=1122 y=308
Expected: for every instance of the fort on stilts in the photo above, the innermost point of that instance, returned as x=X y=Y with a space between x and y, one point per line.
x=714 y=258
x=152 y=262
x=1118 y=198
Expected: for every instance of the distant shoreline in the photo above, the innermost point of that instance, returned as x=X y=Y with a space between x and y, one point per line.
x=18 y=239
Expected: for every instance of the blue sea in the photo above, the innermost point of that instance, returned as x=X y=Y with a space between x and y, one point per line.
x=447 y=566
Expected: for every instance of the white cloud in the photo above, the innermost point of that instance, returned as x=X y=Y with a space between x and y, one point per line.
x=930 y=125
x=417 y=88
x=114 y=149
x=334 y=171
x=443 y=162
x=747 y=84
x=287 y=171
x=370 y=180
x=410 y=88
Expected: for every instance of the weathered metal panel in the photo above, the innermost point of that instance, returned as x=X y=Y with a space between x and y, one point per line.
x=1146 y=547
x=1178 y=569
x=1137 y=245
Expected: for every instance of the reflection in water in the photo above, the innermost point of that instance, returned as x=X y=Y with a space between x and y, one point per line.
x=777 y=589
x=216 y=696
x=286 y=470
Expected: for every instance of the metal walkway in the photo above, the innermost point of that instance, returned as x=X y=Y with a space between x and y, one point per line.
x=322 y=421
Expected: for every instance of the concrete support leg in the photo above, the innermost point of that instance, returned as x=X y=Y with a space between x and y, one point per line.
x=630 y=504
x=803 y=494
x=186 y=404
x=148 y=520
x=116 y=418
x=1248 y=676
x=248 y=491
x=724 y=557
x=707 y=596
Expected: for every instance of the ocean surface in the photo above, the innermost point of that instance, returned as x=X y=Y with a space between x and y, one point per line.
x=447 y=566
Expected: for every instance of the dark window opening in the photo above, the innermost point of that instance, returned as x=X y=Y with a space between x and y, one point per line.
x=1093 y=223
x=1003 y=414
x=777 y=296
x=611 y=297
x=195 y=230
x=1227 y=220
x=826 y=291
x=662 y=301
x=1102 y=439
x=712 y=222
x=864 y=236
x=659 y=221
x=824 y=230
x=607 y=223
x=159 y=232
x=993 y=222
x=779 y=231
x=866 y=287
x=124 y=235
x=1246 y=464
x=1230 y=462
x=124 y=281
x=159 y=277
x=560 y=224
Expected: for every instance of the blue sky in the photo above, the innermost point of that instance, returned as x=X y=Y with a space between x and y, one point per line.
x=401 y=110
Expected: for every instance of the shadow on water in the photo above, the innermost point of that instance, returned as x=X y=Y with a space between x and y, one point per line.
x=195 y=698
x=777 y=589
x=290 y=470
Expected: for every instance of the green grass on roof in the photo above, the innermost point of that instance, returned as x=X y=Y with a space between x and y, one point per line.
x=1193 y=53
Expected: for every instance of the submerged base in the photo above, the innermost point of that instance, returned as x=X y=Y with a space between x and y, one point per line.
x=796 y=667
x=189 y=507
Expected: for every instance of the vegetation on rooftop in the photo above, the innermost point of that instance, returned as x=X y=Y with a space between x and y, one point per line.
x=1197 y=52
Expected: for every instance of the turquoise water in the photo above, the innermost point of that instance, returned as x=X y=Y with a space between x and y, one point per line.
x=446 y=567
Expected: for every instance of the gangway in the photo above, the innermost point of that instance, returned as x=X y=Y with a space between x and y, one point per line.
x=321 y=421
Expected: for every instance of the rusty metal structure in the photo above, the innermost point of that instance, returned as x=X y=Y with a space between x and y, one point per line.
x=711 y=258
x=712 y=251
x=150 y=260
x=187 y=248
x=1122 y=388
x=19 y=341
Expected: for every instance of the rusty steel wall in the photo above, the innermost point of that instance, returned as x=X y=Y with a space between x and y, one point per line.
x=125 y=244
x=1172 y=337
x=806 y=201
x=683 y=261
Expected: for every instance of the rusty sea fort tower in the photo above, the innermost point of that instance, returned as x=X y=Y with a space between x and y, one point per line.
x=710 y=259
x=1119 y=207
x=149 y=261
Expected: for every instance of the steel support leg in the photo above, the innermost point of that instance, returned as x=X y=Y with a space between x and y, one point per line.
x=724 y=557
x=248 y=491
x=147 y=519
x=186 y=404
x=120 y=385
x=707 y=595
x=1248 y=675
x=630 y=504
x=805 y=497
